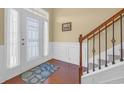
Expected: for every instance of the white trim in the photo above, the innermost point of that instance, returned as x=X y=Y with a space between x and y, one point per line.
x=115 y=79
x=38 y=11
x=1 y=61
x=113 y=72
x=45 y=38
x=66 y=51
x=5 y=34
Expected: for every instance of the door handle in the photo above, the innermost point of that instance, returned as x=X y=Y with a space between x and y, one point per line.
x=23 y=44
x=23 y=39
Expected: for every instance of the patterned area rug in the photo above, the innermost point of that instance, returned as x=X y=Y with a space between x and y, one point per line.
x=39 y=74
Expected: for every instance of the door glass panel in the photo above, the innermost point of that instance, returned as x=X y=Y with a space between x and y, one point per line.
x=32 y=28
x=13 y=40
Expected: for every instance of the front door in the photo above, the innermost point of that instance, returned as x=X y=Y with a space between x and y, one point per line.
x=31 y=39
x=23 y=48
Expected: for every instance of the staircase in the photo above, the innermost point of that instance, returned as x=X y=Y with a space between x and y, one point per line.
x=103 y=62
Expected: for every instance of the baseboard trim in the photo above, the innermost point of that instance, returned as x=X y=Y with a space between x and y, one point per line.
x=63 y=61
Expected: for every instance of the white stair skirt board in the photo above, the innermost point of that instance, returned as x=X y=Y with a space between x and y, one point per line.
x=112 y=74
x=116 y=81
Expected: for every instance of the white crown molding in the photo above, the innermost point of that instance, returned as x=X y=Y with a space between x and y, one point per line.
x=38 y=11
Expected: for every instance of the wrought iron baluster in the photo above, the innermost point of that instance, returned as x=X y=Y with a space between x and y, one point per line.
x=106 y=64
x=93 y=52
x=99 y=51
x=87 y=56
x=113 y=42
x=121 y=39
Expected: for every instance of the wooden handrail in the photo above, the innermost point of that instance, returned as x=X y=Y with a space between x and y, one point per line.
x=103 y=28
x=104 y=24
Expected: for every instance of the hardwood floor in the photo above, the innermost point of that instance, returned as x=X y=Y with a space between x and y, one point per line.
x=67 y=74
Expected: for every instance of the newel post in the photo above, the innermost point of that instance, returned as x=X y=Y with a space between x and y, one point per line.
x=80 y=67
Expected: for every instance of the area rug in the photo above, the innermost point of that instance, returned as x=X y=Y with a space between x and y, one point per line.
x=39 y=74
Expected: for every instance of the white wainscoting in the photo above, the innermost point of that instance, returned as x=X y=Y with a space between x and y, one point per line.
x=1 y=60
x=1 y=54
x=66 y=51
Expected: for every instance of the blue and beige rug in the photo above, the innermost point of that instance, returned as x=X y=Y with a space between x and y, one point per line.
x=39 y=74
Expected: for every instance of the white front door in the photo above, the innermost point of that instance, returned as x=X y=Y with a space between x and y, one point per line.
x=31 y=39
x=23 y=46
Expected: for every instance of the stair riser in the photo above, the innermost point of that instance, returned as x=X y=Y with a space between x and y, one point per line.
x=116 y=57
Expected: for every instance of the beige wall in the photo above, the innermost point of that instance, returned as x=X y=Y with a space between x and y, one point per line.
x=83 y=21
x=1 y=26
x=50 y=10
